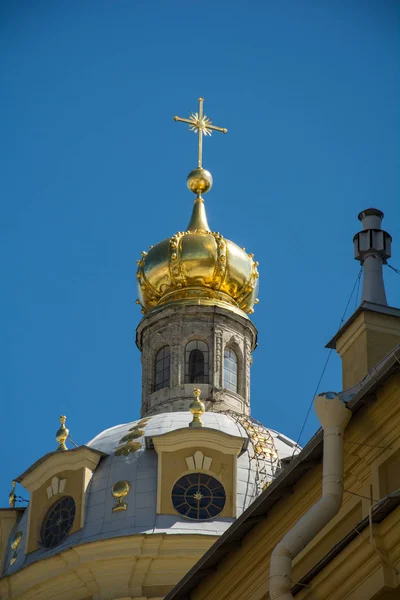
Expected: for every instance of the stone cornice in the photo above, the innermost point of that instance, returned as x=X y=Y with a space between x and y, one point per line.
x=167 y=313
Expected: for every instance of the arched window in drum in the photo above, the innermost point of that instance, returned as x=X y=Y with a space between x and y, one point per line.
x=162 y=368
x=196 y=362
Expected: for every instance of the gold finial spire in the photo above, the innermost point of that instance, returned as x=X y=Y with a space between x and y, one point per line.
x=200 y=181
x=62 y=434
x=11 y=495
x=197 y=409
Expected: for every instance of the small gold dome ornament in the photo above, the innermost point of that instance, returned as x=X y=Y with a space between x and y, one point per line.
x=14 y=546
x=197 y=409
x=62 y=434
x=119 y=491
x=199 y=181
x=11 y=495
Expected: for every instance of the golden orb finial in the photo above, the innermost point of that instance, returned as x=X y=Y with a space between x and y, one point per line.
x=199 y=181
x=119 y=491
x=197 y=409
x=11 y=495
x=62 y=434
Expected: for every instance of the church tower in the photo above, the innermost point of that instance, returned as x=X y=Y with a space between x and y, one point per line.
x=196 y=289
x=125 y=516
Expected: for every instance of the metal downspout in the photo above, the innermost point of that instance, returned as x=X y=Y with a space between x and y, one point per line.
x=334 y=417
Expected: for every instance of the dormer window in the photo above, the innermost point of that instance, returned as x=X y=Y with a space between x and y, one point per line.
x=196 y=362
x=230 y=370
x=162 y=368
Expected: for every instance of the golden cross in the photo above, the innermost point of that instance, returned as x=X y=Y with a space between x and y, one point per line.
x=200 y=124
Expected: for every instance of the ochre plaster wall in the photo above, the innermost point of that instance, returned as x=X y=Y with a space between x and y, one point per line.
x=366 y=341
x=360 y=571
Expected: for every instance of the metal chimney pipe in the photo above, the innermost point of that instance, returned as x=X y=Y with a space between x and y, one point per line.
x=372 y=247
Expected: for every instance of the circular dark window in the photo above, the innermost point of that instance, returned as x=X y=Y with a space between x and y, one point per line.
x=198 y=496
x=58 y=522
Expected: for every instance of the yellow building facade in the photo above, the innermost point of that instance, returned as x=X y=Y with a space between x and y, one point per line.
x=355 y=554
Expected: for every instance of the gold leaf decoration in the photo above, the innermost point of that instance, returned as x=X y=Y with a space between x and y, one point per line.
x=135 y=433
x=141 y=423
x=125 y=449
x=127 y=441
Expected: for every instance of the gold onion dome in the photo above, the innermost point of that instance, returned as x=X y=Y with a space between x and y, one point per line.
x=198 y=266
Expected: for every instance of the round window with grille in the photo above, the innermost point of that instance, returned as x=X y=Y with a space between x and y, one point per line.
x=58 y=522
x=198 y=496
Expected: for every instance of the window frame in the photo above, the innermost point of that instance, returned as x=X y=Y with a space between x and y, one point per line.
x=165 y=369
x=45 y=530
x=201 y=346
x=185 y=505
x=228 y=384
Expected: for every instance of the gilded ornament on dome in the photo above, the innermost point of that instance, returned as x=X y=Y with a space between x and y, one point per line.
x=62 y=434
x=127 y=448
x=119 y=491
x=263 y=446
x=141 y=423
x=11 y=495
x=128 y=440
x=14 y=546
x=197 y=409
x=133 y=435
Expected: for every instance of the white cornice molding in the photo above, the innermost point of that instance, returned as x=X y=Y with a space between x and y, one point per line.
x=187 y=437
x=54 y=463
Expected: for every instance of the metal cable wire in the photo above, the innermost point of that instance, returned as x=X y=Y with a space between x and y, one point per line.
x=21 y=499
x=357 y=281
x=72 y=441
x=357 y=292
x=393 y=269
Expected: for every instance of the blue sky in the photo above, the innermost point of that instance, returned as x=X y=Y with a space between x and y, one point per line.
x=94 y=170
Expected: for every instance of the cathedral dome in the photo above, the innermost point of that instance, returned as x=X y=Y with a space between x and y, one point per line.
x=133 y=462
x=197 y=266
